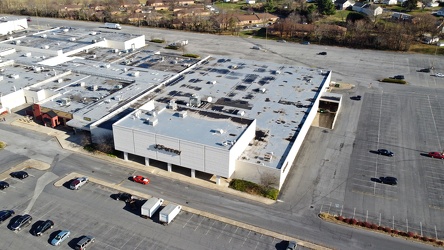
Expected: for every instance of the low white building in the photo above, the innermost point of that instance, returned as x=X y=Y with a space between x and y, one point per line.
x=9 y=25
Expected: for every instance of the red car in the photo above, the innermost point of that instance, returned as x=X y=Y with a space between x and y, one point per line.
x=436 y=155
x=141 y=179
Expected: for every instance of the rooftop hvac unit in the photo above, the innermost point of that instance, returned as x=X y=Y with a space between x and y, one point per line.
x=60 y=80
x=107 y=66
x=136 y=73
x=1 y=78
x=94 y=87
x=65 y=101
x=93 y=33
x=28 y=54
x=44 y=36
x=262 y=90
x=14 y=76
x=82 y=84
x=65 y=30
x=172 y=104
x=219 y=131
x=45 y=47
x=153 y=122
x=120 y=86
x=17 y=42
x=116 y=50
x=72 y=39
x=183 y=114
x=195 y=100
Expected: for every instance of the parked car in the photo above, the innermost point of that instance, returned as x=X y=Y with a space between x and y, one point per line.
x=306 y=43
x=399 y=77
x=43 y=227
x=126 y=197
x=439 y=74
x=281 y=41
x=19 y=175
x=323 y=53
x=3 y=185
x=21 y=222
x=78 y=183
x=60 y=237
x=84 y=242
x=437 y=155
x=356 y=98
x=141 y=179
x=292 y=245
x=385 y=152
x=426 y=70
x=389 y=180
x=6 y=214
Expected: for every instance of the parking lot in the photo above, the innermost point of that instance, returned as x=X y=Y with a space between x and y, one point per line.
x=410 y=124
x=114 y=224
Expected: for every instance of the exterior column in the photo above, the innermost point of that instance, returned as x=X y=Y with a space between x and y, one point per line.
x=169 y=167
x=217 y=179
x=147 y=161
x=193 y=173
x=125 y=156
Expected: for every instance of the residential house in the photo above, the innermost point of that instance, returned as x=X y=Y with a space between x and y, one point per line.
x=168 y=4
x=390 y=2
x=342 y=4
x=242 y=20
x=370 y=10
x=190 y=12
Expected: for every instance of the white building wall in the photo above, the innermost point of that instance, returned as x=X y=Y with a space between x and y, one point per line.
x=144 y=144
x=13 y=100
x=288 y=162
x=138 y=42
x=253 y=172
x=217 y=161
x=13 y=25
x=168 y=142
x=34 y=96
x=123 y=139
x=192 y=155
x=239 y=147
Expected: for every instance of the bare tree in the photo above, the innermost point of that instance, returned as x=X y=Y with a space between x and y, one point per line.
x=268 y=180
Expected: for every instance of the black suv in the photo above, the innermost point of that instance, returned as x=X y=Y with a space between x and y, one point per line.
x=389 y=180
x=19 y=175
x=3 y=185
x=43 y=227
x=6 y=214
x=385 y=152
x=323 y=53
x=22 y=221
x=126 y=197
x=426 y=70
x=399 y=77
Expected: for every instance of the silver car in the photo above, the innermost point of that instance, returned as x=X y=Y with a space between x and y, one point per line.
x=78 y=183
x=60 y=237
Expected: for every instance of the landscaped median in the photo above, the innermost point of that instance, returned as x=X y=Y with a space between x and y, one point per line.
x=392 y=80
x=381 y=229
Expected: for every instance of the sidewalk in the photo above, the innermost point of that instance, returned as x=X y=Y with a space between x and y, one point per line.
x=61 y=136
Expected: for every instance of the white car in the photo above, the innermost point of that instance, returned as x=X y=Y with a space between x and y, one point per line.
x=439 y=74
x=78 y=182
x=60 y=237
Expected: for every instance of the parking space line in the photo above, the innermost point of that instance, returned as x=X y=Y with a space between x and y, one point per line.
x=211 y=226
x=245 y=238
x=221 y=231
x=127 y=241
x=188 y=221
x=203 y=218
x=140 y=242
x=233 y=233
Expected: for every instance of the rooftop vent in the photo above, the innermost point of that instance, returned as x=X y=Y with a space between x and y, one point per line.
x=72 y=39
x=44 y=36
x=183 y=114
x=172 y=104
x=218 y=131
x=65 y=101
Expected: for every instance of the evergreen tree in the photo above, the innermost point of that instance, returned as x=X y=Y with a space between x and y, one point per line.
x=326 y=7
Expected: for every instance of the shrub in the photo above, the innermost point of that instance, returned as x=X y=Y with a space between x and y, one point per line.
x=411 y=234
x=395 y=231
x=191 y=55
x=157 y=40
x=388 y=229
x=172 y=47
x=340 y=218
x=394 y=80
x=432 y=240
x=353 y=221
x=401 y=233
x=271 y=193
x=423 y=238
x=347 y=220
x=374 y=226
x=367 y=224
x=2 y=145
x=440 y=243
x=253 y=188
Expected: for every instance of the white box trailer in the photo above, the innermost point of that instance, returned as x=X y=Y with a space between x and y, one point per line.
x=168 y=213
x=113 y=26
x=151 y=206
